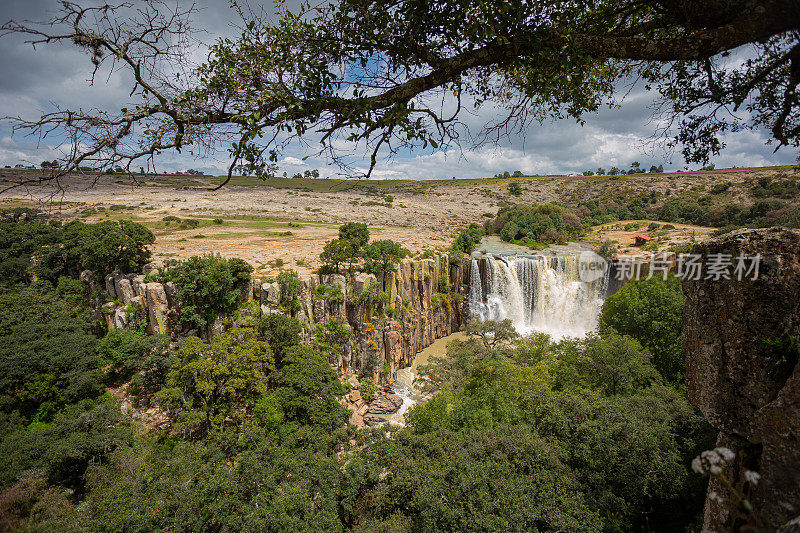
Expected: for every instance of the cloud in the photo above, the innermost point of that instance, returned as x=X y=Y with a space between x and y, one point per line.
x=38 y=81
x=293 y=161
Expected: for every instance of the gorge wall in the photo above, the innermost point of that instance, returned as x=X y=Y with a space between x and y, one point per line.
x=391 y=319
x=740 y=340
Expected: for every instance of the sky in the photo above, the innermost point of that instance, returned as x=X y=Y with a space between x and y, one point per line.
x=35 y=81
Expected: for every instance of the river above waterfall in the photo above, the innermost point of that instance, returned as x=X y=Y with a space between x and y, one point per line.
x=493 y=245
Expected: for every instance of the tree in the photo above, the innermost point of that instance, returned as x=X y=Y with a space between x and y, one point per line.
x=650 y=312
x=334 y=253
x=47 y=357
x=207 y=286
x=355 y=235
x=614 y=171
x=492 y=333
x=307 y=389
x=215 y=383
x=111 y=245
x=332 y=337
x=612 y=363
x=383 y=256
x=290 y=284
x=467 y=239
x=281 y=332
x=286 y=73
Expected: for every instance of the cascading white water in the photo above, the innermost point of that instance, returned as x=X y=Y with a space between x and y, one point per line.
x=543 y=294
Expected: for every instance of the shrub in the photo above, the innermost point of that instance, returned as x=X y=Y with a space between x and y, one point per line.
x=467 y=239
x=207 y=287
x=289 y=282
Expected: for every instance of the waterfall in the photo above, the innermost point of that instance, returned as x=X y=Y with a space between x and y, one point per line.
x=536 y=293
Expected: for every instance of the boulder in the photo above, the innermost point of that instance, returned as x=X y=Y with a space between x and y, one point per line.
x=373 y=420
x=112 y=293
x=245 y=290
x=740 y=339
x=123 y=288
x=170 y=289
x=157 y=307
x=121 y=319
x=357 y=420
x=355 y=395
x=271 y=294
x=386 y=404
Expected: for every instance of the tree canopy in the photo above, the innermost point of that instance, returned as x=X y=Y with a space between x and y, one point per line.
x=381 y=75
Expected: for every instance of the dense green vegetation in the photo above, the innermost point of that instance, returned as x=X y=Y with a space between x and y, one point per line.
x=650 y=311
x=208 y=285
x=32 y=247
x=775 y=203
x=530 y=224
x=522 y=433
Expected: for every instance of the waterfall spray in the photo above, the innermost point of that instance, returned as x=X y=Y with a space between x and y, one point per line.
x=544 y=294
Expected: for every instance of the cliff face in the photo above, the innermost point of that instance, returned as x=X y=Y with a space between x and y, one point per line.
x=391 y=319
x=740 y=339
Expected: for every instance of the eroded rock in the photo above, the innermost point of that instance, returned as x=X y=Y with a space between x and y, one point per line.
x=740 y=340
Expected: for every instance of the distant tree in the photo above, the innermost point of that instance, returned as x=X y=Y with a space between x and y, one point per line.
x=635 y=168
x=290 y=285
x=517 y=174
x=315 y=173
x=601 y=171
x=660 y=168
x=383 y=256
x=297 y=175
x=467 y=239
x=355 y=233
x=492 y=333
x=614 y=171
x=588 y=173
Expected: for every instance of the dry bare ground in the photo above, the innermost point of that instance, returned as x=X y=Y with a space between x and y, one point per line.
x=273 y=225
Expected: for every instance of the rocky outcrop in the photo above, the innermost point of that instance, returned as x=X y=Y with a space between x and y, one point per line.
x=740 y=339
x=391 y=319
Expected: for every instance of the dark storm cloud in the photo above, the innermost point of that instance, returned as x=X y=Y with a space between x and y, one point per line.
x=33 y=82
